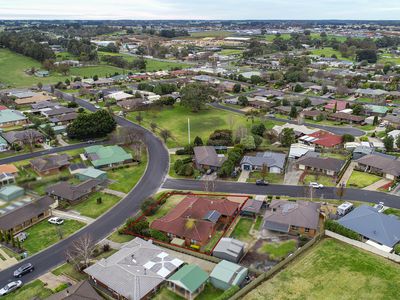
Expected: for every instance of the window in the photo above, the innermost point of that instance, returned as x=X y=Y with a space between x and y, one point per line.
x=294 y=227
x=307 y=230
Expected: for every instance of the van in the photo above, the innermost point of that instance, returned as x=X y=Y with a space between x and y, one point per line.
x=344 y=208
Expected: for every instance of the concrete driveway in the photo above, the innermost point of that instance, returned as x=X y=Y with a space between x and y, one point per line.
x=244 y=175
x=292 y=175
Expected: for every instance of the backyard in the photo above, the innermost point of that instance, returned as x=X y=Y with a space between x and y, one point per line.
x=92 y=209
x=278 y=251
x=209 y=292
x=361 y=179
x=333 y=270
x=44 y=234
x=242 y=229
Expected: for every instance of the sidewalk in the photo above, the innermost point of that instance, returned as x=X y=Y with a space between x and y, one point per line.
x=347 y=174
x=72 y=216
x=115 y=193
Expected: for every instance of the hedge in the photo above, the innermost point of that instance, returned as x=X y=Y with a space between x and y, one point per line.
x=228 y=293
x=339 y=229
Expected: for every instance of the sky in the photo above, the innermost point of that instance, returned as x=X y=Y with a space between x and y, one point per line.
x=201 y=9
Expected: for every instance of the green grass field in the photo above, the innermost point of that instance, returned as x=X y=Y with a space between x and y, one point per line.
x=270 y=177
x=328 y=52
x=44 y=234
x=69 y=270
x=231 y=52
x=322 y=179
x=34 y=290
x=209 y=292
x=91 y=209
x=333 y=270
x=242 y=230
x=361 y=179
x=278 y=251
x=120 y=238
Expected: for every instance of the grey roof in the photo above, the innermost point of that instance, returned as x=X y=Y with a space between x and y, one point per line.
x=374 y=225
x=135 y=270
x=24 y=213
x=70 y=192
x=387 y=164
x=65 y=118
x=58 y=111
x=271 y=159
x=51 y=162
x=13 y=136
x=252 y=205
x=292 y=213
x=206 y=155
x=44 y=104
x=79 y=291
x=230 y=246
x=274 y=226
x=324 y=163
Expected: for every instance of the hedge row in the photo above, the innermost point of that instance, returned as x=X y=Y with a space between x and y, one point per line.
x=339 y=229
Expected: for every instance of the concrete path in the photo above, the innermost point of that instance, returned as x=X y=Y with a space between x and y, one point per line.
x=115 y=193
x=244 y=175
x=347 y=174
x=71 y=215
x=173 y=150
x=375 y=186
x=8 y=261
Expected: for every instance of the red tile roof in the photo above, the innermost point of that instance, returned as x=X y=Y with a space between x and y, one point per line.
x=339 y=106
x=194 y=208
x=326 y=139
x=2 y=107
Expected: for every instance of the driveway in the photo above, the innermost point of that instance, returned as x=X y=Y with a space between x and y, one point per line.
x=244 y=175
x=347 y=174
x=375 y=186
x=292 y=175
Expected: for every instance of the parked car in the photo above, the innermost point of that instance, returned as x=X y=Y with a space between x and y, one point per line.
x=316 y=185
x=96 y=106
x=22 y=236
x=380 y=207
x=24 y=269
x=209 y=171
x=56 y=220
x=261 y=182
x=10 y=287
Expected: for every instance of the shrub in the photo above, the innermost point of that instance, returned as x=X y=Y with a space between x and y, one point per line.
x=106 y=247
x=140 y=227
x=397 y=249
x=339 y=229
x=158 y=235
x=149 y=206
x=228 y=293
x=61 y=287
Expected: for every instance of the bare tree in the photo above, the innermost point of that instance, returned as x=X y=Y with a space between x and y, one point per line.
x=80 y=252
x=29 y=138
x=340 y=190
x=127 y=136
x=165 y=134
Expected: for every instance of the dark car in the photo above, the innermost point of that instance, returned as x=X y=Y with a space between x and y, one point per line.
x=22 y=270
x=261 y=182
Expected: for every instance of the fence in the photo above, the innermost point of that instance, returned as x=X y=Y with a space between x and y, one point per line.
x=363 y=246
x=279 y=267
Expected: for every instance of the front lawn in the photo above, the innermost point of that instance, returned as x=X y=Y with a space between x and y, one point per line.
x=44 y=234
x=120 y=238
x=333 y=270
x=126 y=178
x=322 y=179
x=171 y=202
x=34 y=290
x=92 y=209
x=278 y=251
x=69 y=270
x=361 y=179
x=242 y=230
x=270 y=177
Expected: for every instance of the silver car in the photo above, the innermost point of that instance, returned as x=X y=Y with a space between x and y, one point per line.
x=10 y=287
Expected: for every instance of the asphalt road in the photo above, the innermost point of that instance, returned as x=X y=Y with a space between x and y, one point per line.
x=157 y=168
x=335 y=130
x=285 y=190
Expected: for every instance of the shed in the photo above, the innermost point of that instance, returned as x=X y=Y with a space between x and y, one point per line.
x=11 y=192
x=226 y=274
x=229 y=249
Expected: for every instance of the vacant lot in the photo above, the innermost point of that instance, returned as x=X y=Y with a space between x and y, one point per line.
x=362 y=180
x=328 y=52
x=333 y=270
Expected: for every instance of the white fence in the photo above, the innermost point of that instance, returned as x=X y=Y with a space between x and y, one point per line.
x=364 y=246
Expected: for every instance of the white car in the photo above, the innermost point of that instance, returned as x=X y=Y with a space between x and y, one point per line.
x=97 y=106
x=56 y=220
x=316 y=185
x=10 y=287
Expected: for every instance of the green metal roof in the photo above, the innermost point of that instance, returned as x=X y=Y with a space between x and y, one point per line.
x=10 y=189
x=189 y=277
x=3 y=141
x=107 y=155
x=377 y=108
x=8 y=115
x=227 y=271
x=91 y=172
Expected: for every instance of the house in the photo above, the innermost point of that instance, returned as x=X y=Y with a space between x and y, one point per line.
x=312 y=114
x=284 y=110
x=51 y=164
x=371 y=93
x=9 y=118
x=131 y=103
x=11 y=192
x=226 y=274
x=375 y=110
x=64 y=119
x=43 y=105
x=203 y=214
x=107 y=156
x=251 y=207
x=119 y=96
x=207 y=158
x=345 y=117
x=3 y=144
x=65 y=191
x=19 y=138
x=27 y=215
x=80 y=290
x=31 y=98
x=385 y=165
x=392 y=120
x=298 y=150
x=57 y=111
x=134 y=272
x=299 y=130
x=229 y=249
x=335 y=105
x=6 y=178
x=362 y=150
x=275 y=162
x=90 y=173
x=9 y=168
x=188 y=281
x=373 y=225
x=322 y=139
x=293 y=217
x=326 y=165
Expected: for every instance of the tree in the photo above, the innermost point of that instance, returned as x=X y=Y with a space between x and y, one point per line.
x=248 y=142
x=347 y=138
x=40 y=86
x=29 y=138
x=63 y=69
x=376 y=121
x=243 y=101
x=264 y=171
x=388 y=141
x=236 y=88
x=153 y=126
x=165 y=134
x=298 y=88
x=139 y=118
x=335 y=107
x=293 y=112
x=49 y=131
x=288 y=137
x=258 y=129
x=305 y=103
x=198 y=141
x=357 y=109
x=196 y=95
x=398 y=141
x=80 y=252
x=368 y=55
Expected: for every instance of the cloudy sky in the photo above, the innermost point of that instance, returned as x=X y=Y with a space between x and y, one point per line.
x=200 y=9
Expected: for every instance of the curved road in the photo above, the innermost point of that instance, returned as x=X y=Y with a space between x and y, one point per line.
x=157 y=168
x=335 y=130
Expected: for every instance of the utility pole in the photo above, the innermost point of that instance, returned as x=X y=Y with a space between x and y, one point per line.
x=189 y=130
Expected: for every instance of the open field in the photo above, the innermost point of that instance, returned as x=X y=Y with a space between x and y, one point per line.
x=270 y=177
x=362 y=179
x=231 y=52
x=69 y=270
x=278 y=251
x=328 y=52
x=333 y=270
